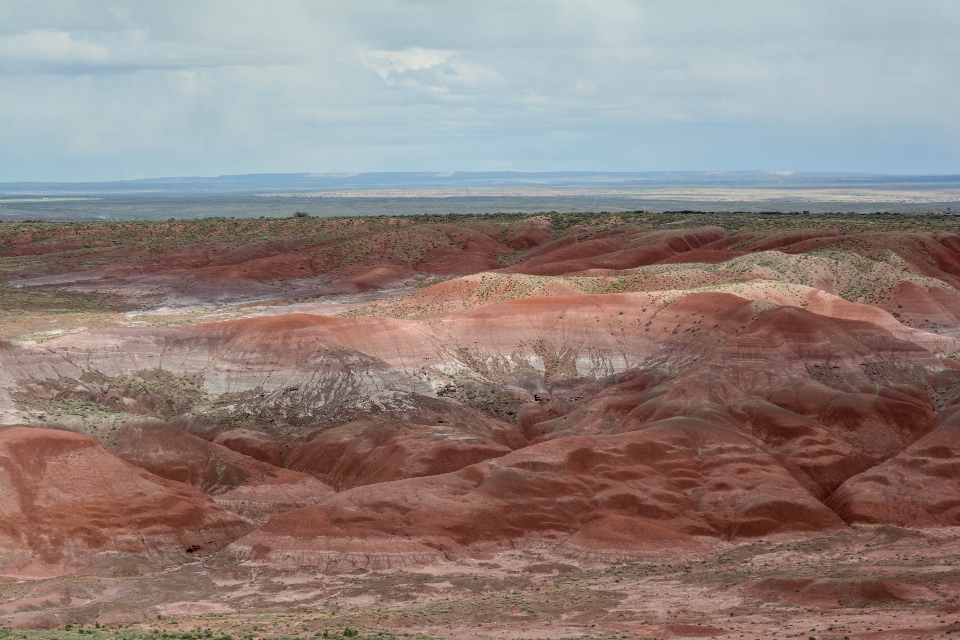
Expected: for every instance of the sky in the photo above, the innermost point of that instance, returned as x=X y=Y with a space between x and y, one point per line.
x=93 y=89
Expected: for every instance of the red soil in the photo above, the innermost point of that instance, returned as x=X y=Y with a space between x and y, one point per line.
x=64 y=500
x=670 y=484
x=364 y=453
x=918 y=487
x=707 y=256
x=409 y=445
x=253 y=489
x=529 y=234
x=257 y=445
x=613 y=250
x=833 y=593
x=830 y=421
x=923 y=307
x=809 y=392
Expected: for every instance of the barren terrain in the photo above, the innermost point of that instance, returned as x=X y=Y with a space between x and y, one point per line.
x=561 y=425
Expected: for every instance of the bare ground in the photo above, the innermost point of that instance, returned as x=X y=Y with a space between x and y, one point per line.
x=873 y=582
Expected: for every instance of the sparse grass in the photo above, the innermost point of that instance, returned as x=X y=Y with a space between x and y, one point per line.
x=30 y=249
x=153 y=392
x=48 y=301
x=529 y=594
x=79 y=632
x=484 y=397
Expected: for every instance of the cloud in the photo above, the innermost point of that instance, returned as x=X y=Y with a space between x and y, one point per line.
x=435 y=70
x=122 y=51
x=174 y=88
x=466 y=73
x=388 y=63
x=52 y=46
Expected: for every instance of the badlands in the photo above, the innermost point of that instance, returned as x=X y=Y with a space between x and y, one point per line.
x=626 y=425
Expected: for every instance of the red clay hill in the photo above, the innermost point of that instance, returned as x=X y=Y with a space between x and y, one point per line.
x=369 y=393
x=67 y=503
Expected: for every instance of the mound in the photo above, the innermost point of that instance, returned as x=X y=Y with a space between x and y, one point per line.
x=705 y=256
x=407 y=445
x=309 y=361
x=254 y=444
x=616 y=249
x=918 y=487
x=375 y=278
x=668 y=485
x=830 y=395
x=799 y=240
x=832 y=593
x=451 y=261
x=928 y=307
x=528 y=234
x=253 y=489
x=65 y=503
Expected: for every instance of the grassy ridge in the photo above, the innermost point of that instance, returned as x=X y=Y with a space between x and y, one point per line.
x=58 y=301
x=58 y=247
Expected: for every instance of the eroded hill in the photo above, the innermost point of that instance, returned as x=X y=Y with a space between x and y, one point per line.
x=383 y=394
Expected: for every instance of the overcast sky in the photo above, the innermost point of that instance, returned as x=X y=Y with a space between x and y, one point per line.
x=90 y=89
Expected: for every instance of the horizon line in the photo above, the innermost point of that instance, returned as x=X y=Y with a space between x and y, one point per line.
x=343 y=175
